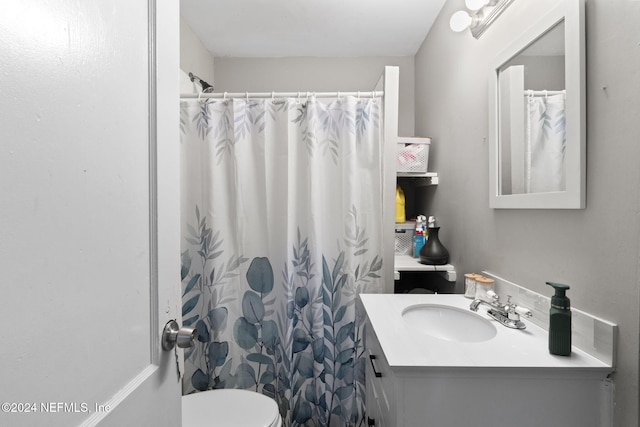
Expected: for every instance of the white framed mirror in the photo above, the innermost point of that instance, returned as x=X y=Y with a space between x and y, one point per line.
x=537 y=115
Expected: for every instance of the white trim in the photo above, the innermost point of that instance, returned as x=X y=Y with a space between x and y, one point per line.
x=153 y=188
x=390 y=82
x=122 y=394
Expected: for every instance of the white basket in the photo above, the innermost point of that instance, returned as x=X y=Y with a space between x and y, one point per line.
x=404 y=238
x=413 y=154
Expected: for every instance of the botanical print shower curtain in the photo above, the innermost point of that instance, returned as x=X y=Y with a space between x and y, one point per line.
x=546 y=137
x=281 y=229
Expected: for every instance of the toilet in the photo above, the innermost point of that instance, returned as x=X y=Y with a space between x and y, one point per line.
x=229 y=407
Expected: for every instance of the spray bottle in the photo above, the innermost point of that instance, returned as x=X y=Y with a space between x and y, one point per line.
x=418 y=237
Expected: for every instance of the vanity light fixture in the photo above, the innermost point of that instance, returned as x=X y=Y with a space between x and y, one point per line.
x=476 y=4
x=483 y=13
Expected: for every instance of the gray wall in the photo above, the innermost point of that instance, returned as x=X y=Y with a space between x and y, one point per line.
x=194 y=57
x=317 y=74
x=595 y=250
x=543 y=72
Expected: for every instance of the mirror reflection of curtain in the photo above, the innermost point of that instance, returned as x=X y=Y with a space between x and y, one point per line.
x=546 y=138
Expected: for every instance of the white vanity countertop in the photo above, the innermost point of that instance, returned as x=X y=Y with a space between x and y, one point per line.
x=403 y=347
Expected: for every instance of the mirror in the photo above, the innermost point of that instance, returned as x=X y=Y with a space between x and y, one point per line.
x=537 y=128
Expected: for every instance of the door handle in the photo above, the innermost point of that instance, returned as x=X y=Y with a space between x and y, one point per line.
x=173 y=334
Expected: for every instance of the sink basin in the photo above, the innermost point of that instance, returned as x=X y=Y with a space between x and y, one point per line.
x=448 y=323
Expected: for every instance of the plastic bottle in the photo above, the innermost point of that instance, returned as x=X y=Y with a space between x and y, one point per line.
x=431 y=223
x=560 y=321
x=400 y=214
x=418 y=242
x=418 y=235
x=425 y=226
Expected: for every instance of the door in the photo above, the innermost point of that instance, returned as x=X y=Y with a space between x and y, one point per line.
x=89 y=212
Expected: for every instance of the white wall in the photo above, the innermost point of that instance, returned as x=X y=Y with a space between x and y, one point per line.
x=595 y=250
x=317 y=74
x=194 y=57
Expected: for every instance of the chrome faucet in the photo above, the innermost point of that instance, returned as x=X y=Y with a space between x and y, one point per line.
x=507 y=314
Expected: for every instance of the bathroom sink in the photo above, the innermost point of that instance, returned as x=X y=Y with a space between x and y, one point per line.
x=448 y=323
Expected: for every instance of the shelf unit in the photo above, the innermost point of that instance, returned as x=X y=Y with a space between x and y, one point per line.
x=408 y=263
x=424 y=179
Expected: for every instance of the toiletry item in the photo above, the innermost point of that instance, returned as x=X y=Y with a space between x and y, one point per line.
x=560 y=321
x=400 y=202
x=470 y=284
x=418 y=242
x=484 y=285
x=422 y=220
x=431 y=222
x=433 y=252
x=423 y=223
x=418 y=236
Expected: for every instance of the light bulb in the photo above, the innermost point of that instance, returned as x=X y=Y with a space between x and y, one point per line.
x=475 y=4
x=460 y=21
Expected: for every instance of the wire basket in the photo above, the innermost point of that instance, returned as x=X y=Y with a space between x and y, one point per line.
x=404 y=238
x=413 y=155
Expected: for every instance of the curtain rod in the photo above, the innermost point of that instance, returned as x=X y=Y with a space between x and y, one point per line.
x=529 y=92
x=226 y=95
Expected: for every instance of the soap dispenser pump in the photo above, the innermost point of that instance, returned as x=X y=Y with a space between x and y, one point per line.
x=560 y=321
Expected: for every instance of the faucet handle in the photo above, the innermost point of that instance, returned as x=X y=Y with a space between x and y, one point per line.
x=523 y=311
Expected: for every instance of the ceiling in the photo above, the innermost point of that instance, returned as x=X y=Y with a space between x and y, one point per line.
x=324 y=28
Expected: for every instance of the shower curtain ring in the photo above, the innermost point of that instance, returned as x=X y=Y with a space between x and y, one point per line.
x=358 y=95
x=546 y=95
x=338 y=94
x=224 y=96
x=246 y=96
x=273 y=95
x=199 y=94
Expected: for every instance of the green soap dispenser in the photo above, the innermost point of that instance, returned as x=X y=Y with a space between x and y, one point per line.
x=560 y=321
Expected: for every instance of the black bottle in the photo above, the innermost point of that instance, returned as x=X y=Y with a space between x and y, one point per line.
x=560 y=321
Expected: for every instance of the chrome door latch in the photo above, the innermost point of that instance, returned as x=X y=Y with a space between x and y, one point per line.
x=173 y=334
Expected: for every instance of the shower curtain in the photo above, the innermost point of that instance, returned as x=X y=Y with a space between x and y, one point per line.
x=281 y=229
x=546 y=137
